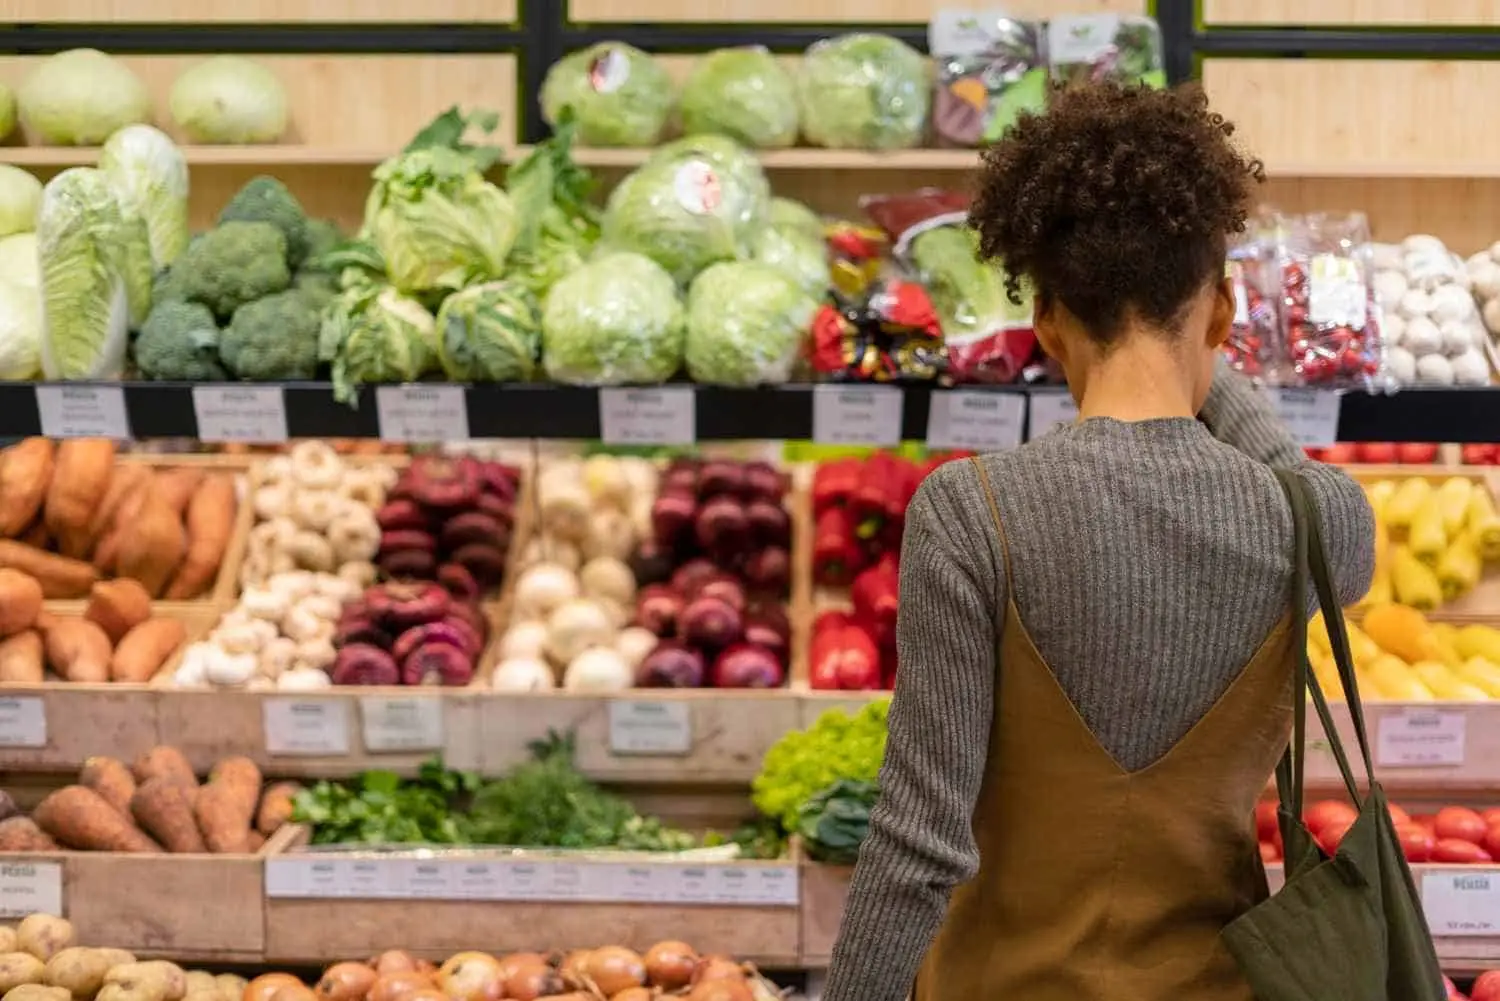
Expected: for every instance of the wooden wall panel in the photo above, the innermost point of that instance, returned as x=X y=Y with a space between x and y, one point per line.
x=1464 y=214
x=1328 y=13
x=816 y=11
x=254 y=11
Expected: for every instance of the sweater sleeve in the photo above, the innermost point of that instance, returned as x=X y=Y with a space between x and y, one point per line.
x=921 y=843
x=1239 y=415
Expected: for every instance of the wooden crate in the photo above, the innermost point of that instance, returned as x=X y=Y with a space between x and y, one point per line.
x=1344 y=13
x=1421 y=749
x=825 y=888
x=255 y=11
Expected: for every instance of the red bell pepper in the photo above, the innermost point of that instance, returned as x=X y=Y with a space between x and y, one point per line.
x=1475 y=454
x=878 y=496
x=836 y=555
x=844 y=659
x=831 y=620
x=874 y=594
x=833 y=484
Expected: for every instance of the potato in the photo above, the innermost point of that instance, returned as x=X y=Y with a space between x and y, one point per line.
x=116 y=957
x=8 y=938
x=201 y=982
x=77 y=970
x=231 y=987
x=17 y=968
x=44 y=936
x=153 y=980
x=38 y=992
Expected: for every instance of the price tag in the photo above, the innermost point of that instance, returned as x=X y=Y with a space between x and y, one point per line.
x=1462 y=904
x=1049 y=411
x=30 y=888
x=1421 y=738
x=523 y=881
x=641 y=883
x=83 y=412
x=774 y=884
x=478 y=881
x=422 y=414
x=857 y=415
x=23 y=721
x=1310 y=415
x=691 y=885
x=639 y=727
x=306 y=727
x=369 y=879
x=424 y=879
x=402 y=724
x=976 y=421
x=666 y=416
x=255 y=414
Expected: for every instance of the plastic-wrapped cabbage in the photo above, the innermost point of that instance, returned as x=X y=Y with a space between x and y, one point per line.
x=787 y=213
x=20 y=194
x=697 y=201
x=745 y=324
x=150 y=178
x=864 y=91
x=374 y=334
x=620 y=95
x=743 y=93
x=614 y=321
x=490 y=333
x=796 y=254
x=229 y=100
x=989 y=338
x=88 y=253
x=437 y=223
x=7 y=111
x=20 y=332
x=18 y=263
x=81 y=97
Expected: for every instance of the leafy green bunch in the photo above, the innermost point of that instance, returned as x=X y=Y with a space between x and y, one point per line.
x=804 y=763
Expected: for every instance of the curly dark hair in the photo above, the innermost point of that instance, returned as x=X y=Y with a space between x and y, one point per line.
x=1118 y=201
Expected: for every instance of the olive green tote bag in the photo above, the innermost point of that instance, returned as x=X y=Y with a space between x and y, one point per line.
x=1350 y=927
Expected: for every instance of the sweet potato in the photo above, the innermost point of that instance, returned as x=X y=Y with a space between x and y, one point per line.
x=177 y=486
x=20 y=834
x=111 y=779
x=59 y=576
x=145 y=649
x=219 y=811
x=166 y=762
x=20 y=601
x=163 y=807
x=37 y=536
x=79 y=818
x=118 y=606
x=78 y=650
x=255 y=842
x=25 y=475
x=210 y=523
x=21 y=659
x=152 y=545
x=129 y=479
x=276 y=807
x=80 y=480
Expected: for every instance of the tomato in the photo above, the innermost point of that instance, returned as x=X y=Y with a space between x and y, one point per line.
x=1378 y=452
x=1416 y=453
x=1491 y=842
x=1426 y=820
x=1326 y=812
x=1314 y=453
x=1491 y=815
x=1269 y=852
x=1487 y=987
x=1479 y=455
x=1416 y=842
x=1398 y=815
x=1462 y=823
x=1454 y=850
x=1266 y=824
x=1333 y=833
x=1340 y=455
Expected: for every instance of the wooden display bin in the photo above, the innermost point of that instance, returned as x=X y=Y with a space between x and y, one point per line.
x=1439 y=748
x=824 y=890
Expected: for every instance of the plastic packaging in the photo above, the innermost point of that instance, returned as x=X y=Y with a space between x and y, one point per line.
x=888 y=332
x=617 y=320
x=1432 y=329
x=864 y=91
x=990 y=70
x=1330 y=320
x=743 y=93
x=746 y=323
x=1089 y=48
x=620 y=95
x=1254 y=339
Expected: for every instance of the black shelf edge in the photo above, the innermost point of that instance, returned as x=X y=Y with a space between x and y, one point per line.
x=264 y=39
x=1333 y=43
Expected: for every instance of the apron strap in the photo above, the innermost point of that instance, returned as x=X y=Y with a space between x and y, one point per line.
x=989 y=496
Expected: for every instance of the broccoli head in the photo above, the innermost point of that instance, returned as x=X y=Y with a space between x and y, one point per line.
x=322 y=236
x=265 y=199
x=179 y=341
x=231 y=265
x=273 y=339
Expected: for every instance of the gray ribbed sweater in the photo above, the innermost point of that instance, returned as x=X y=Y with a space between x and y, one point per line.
x=1150 y=559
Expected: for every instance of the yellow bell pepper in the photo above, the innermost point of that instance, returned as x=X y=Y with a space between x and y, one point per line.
x=1402 y=631
x=1379 y=495
x=1484 y=523
x=1478 y=641
x=1482 y=674
x=1402 y=506
x=1415 y=582
x=1427 y=537
x=1453 y=501
x=1459 y=568
x=1395 y=680
x=1446 y=683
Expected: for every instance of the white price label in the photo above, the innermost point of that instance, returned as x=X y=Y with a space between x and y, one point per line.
x=306 y=878
x=23 y=721
x=30 y=888
x=369 y=879
x=1462 y=903
x=976 y=421
x=83 y=412
x=1310 y=415
x=306 y=727
x=857 y=415
x=254 y=414
x=523 y=881
x=1048 y=412
x=422 y=414
x=424 y=879
x=691 y=884
x=478 y=881
x=666 y=416
x=1421 y=738
x=394 y=725
x=640 y=727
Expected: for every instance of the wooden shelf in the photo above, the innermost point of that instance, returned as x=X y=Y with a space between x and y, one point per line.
x=813 y=159
x=200 y=156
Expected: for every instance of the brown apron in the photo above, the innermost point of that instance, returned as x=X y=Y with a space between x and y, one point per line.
x=1098 y=884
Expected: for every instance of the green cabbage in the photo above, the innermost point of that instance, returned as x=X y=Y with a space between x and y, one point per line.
x=745 y=324
x=20 y=194
x=616 y=320
x=697 y=201
x=743 y=93
x=798 y=255
x=18 y=261
x=864 y=91
x=437 y=223
x=87 y=251
x=374 y=334
x=787 y=213
x=81 y=97
x=968 y=294
x=150 y=178
x=20 y=332
x=229 y=100
x=7 y=111
x=620 y=95
x=490 y=333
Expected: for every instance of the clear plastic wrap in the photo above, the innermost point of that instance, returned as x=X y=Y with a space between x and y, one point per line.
x=1089 y=48
x=864 y=91
x=1330 y=320
x=800 y=255
x=746 y=324
x=1432 y=328
x=615 y=321
x=620 y=95
x=744 y=93
x=1254 y=339
x=990 y=70
x=696 y=202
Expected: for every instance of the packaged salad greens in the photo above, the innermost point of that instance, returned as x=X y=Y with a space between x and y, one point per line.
x=989 y=71
x=1083 y=48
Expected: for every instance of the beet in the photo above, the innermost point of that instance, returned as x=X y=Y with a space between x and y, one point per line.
x=400 y=605
x=672 y=514
x=725 y=588
x=721 y=527
x=401 y=514
x=472 y=527
x=436 y=481
x=769 y=570
x=711 y=623
x=401 y=539
x=745 y=665
x=768 y=523
x=769 y=638
x=456 y=635
x=485 y=561
x=502 y=510
x=498 y=480
x=362 y=664
x=657 y=608
x=681 y=477
x=765 y=482
x=469 y=614
x=458 y=582
x=650 y=563
x=692 y=575
x=437 y=664
x=407 y=564
x=360 y=628
x=718 y=477
x=670 y=665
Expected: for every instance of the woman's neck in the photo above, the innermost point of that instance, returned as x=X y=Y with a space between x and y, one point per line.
x=1140 y=379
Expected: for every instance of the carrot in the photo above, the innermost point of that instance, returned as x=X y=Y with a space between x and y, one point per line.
x=78 y=650
x=276 y=807
x=118 y=606
x=210 y=523
x=25 y=475
x=80 y=480
x=20 y=601
x=166 y=762
x=164 y=809
x=20 y=834
x=145 y=649
x=177 y=486
x=152 y=545
x=111 y=779
x=59 y=576
x=21 y=659
x=77 y=817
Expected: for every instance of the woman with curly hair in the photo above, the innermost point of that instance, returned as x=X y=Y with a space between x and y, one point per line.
x=1095 y=646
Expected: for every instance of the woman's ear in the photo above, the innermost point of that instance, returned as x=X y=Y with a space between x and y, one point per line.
x=1221 y=315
